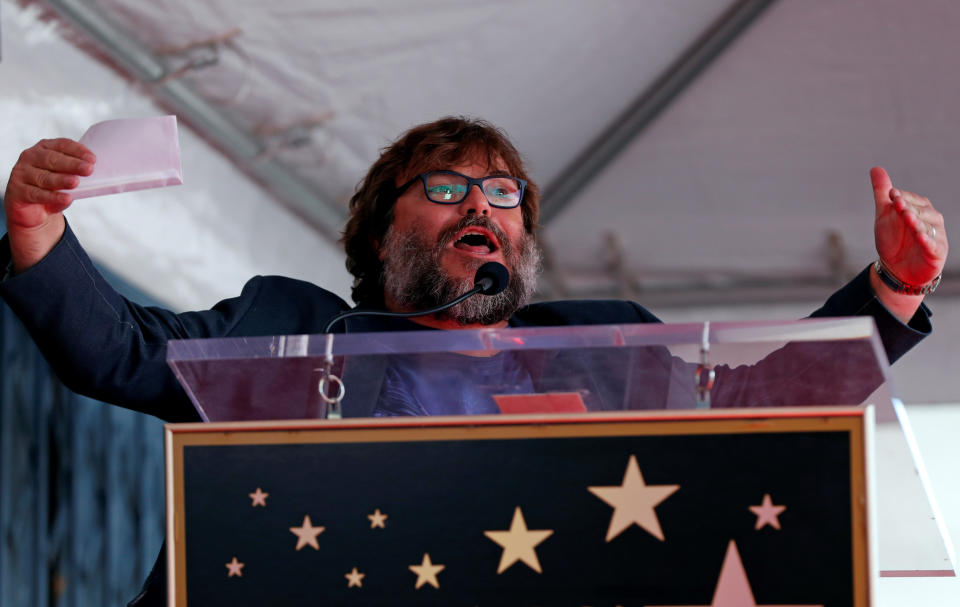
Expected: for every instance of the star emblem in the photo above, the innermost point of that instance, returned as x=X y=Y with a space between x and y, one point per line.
x=733 y=587
x=234 y=567
x=355 y=579
x=307 y=534
x=427 y=572
x=259 y=498
x=767 y=513
x=633 y=502
x=518 y=543
x=377 y=519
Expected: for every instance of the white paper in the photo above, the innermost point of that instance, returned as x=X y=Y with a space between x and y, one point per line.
x=132 y=154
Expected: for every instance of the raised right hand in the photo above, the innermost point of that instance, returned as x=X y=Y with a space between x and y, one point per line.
x=34 y=202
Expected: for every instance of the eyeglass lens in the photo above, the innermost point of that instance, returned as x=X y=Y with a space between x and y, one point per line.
x=449 y=188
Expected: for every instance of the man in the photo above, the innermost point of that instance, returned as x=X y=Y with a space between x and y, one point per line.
x=412 y=241
x=442 y=200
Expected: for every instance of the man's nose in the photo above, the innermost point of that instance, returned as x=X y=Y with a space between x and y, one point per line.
x=475 y=202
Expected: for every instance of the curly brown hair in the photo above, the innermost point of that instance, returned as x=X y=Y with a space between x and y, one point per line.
x=427 y=147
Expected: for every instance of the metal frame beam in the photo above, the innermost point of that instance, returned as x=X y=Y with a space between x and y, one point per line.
x=243 y=147
x=645 y=108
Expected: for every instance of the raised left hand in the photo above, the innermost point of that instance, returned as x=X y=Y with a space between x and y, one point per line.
x=910 y=235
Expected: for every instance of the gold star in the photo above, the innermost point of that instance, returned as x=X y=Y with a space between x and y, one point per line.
x=427 y=572
x=377 y=519
x=307 y=534
x=234 y=567
x=767 y=513
x=518 y=543
x=634 y=501
x=259 y=498
x=355 y=578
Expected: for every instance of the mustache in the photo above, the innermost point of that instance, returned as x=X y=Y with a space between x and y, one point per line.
x=448 y=234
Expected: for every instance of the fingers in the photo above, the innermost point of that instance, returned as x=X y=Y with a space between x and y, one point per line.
x=920 y=216
x=68 y=147
x=48 y=180
x=48 y=167
x=881 y=187
x=58 y=156
x=919 y=206
x=35 y=195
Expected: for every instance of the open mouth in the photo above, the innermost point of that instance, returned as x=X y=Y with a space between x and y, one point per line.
x=476 y=241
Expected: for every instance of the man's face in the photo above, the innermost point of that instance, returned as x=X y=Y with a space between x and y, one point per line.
x=470 y=247
x=432 y=251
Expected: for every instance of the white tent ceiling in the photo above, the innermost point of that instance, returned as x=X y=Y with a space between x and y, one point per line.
x=740 y=180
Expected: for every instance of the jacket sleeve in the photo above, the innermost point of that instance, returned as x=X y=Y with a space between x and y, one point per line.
x=824 y=373
x=857 y=298
x=103 y=345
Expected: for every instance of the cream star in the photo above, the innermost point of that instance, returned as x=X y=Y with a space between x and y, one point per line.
x=427 y=572
x=307 y=534
x=733 y=587
x=259 y=498
x=234 y=567
x=767 y=513
x=378 y=519
x=518 y=543
x=355 y=578
x=634 y=501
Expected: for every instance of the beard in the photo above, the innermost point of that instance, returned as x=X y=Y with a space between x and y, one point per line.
x=414 y=279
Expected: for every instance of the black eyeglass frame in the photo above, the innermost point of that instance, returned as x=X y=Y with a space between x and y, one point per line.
x=470 y=183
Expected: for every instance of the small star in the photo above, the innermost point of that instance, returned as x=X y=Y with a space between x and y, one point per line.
x=518 y=543
x=355 y=578
x=427 y=572
x=634 y=501
x=259 y=498
x=767 y=513
x=234 y=568
x=377 y=519
x=307 y=534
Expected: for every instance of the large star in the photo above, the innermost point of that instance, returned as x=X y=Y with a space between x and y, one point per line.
x=355 y=578
x=307 y=534
x=234 y=567
x=767 y=513
x=259 y=498
x=427 y=572
x=518 y=543
x=633 y=502
x=733 y=587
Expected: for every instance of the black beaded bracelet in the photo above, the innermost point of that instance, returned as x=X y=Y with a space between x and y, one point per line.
x=901 y=287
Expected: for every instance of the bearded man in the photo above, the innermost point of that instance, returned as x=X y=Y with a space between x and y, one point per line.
x=442 y=200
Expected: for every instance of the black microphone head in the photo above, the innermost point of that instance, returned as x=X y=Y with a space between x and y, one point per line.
x=493 y=277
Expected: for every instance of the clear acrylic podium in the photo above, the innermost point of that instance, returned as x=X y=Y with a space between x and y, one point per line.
x=747 y=371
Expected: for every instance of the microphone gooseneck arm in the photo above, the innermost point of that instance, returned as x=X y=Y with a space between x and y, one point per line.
x=433 y=310
x=491 y=278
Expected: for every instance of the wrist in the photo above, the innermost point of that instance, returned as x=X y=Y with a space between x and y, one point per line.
x=892 y=282
x=29 y=245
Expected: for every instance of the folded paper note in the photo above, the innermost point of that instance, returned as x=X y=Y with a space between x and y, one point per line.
x=132 y=154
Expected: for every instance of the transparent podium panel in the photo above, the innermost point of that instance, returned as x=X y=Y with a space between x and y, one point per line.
x=589 y=369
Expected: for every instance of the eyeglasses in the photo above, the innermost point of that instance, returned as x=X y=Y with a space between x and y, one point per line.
x=450 y=187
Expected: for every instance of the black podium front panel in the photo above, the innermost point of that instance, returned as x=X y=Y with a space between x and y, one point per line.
x=699 y=509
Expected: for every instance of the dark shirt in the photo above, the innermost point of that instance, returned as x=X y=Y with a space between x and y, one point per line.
x=450 y=384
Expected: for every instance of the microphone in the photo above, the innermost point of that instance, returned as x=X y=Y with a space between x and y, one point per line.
x=491 y=278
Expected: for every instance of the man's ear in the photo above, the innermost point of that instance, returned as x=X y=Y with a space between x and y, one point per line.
x=375 y=245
